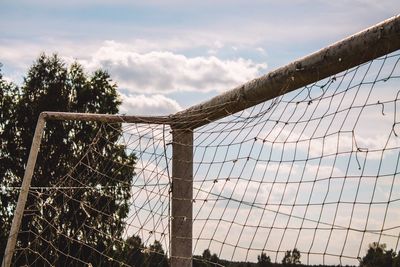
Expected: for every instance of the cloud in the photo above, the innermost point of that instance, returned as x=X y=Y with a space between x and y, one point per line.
x=148 y=105
x=261 y=50
x=166 y=72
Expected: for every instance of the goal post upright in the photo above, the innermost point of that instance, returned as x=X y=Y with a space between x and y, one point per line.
x=182 y=198
x=26 y=182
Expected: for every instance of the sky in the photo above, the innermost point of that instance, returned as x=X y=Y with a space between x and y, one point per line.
x=168 y=55
x=308 y=171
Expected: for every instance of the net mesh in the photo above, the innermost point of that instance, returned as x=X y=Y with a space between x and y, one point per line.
x=110 y=209
x=315 y=169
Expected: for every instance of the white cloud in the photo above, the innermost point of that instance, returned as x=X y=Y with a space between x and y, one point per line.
x=166 y=72
x=148 y=105
x=322 y=171
x=261 y=50
x=283 y=168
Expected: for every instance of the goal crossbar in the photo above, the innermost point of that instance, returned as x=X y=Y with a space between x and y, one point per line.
x=371 y=43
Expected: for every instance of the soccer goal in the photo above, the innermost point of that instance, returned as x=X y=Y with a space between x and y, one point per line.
x=305 y=159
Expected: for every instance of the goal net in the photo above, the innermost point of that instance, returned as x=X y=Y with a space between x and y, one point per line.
x=313 y=171
x=107 y=204
x=316 y=169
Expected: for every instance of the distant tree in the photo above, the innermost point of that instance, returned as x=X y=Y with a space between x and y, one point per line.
x=134 y=255
x=296 y=256
x=291 y=257
x=203 y=260
x=396 y=260
x=287 y=258
x=263 y=260
x=206 y=259
x=206 y=254
x=214 y=258
x=156 y=256
x=378 y=256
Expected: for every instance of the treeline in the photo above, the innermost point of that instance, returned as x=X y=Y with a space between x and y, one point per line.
x=291 y=258
x=377 y=256
x=138 y=255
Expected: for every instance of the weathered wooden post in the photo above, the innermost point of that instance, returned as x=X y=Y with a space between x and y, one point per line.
x=182 y=194
x=23 y=195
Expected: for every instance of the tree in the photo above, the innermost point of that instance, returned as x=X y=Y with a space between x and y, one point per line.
x=396 y=260
x=292 y=257
x=378 y=256
x=214 y=259
x=8 y=99
x=287 y=259
x=50 y=85
x=134 y=255
x=207 y=254
x=156 y=256
x=296 y=256
x=206 y=259
x=263 y=260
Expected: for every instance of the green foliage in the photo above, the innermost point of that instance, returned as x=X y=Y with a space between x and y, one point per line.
x=206 y=260
x=9 y=97
x=378 y=256
x=156 y=256
x=263 y=260
x=396 y=260
x=50 y=85
x=133 y=251
x=207 y=254
x=291 y=257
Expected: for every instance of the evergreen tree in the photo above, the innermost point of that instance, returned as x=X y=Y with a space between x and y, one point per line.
x=291 y=257
x=378 y=256
x=396 y=260
x=156 y=256
x=207 y=254
x=134 y=255
x=50 y=85
x=9 y=97
x=214 y=259
x=263 y=260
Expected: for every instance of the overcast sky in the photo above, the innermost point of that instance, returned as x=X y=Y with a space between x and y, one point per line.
x=168 y=55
